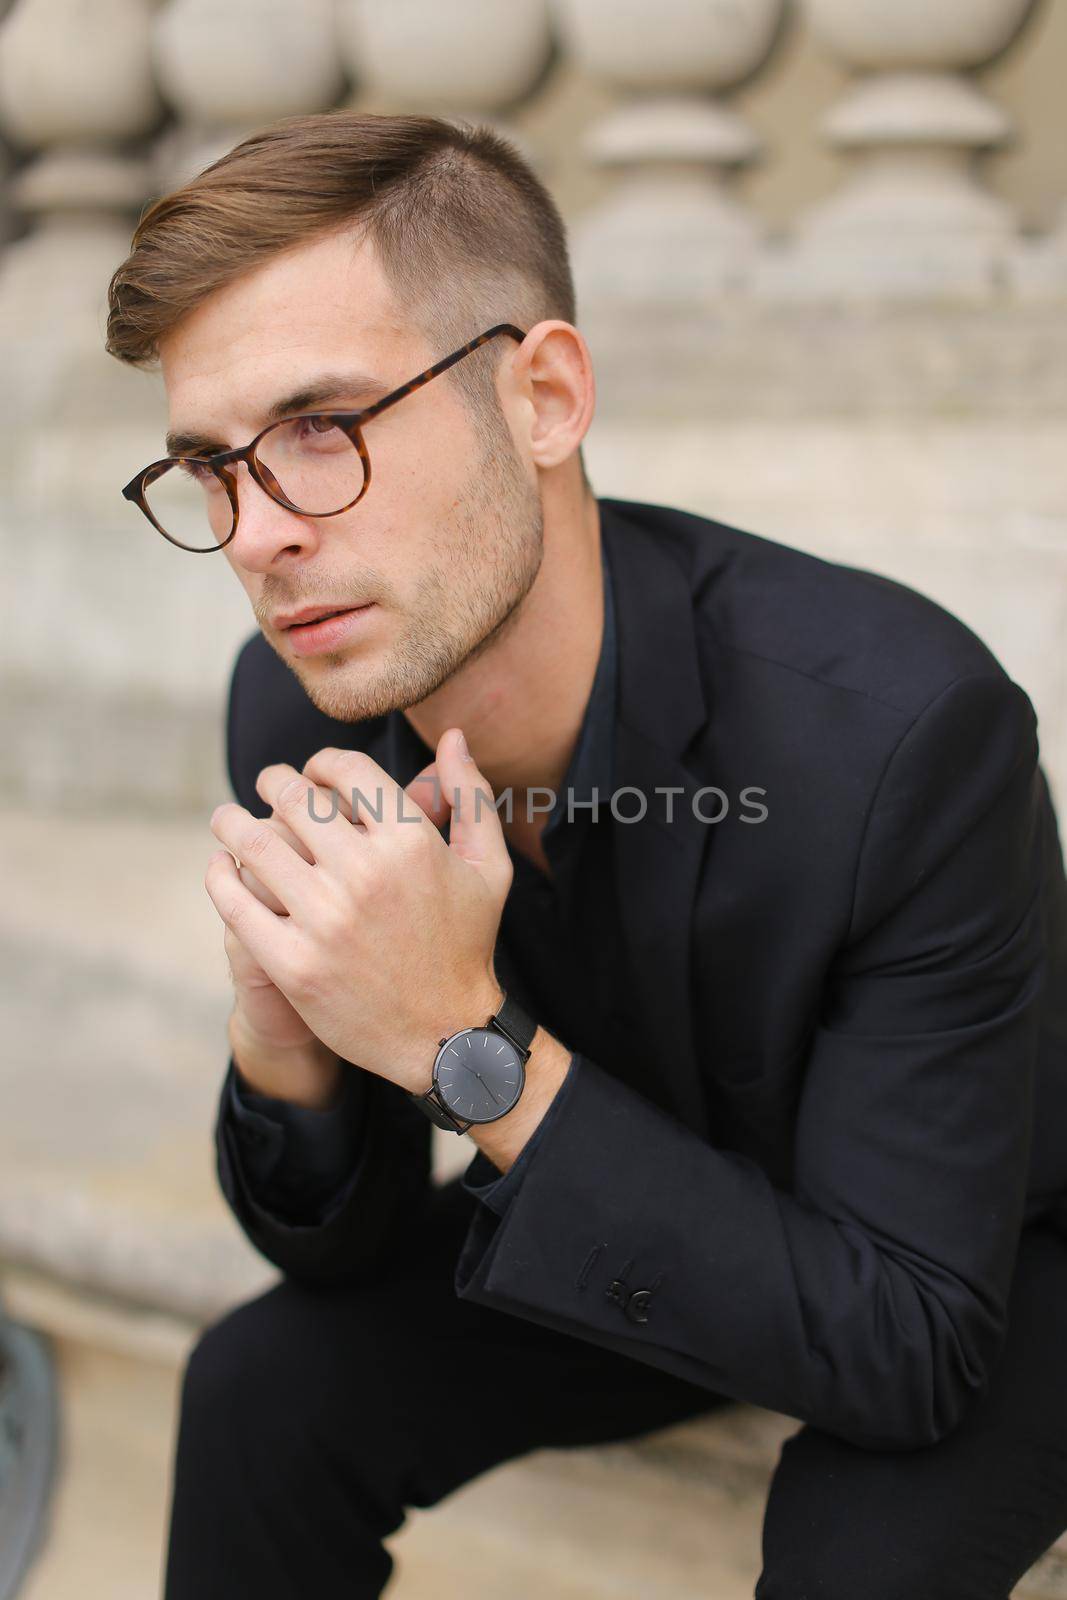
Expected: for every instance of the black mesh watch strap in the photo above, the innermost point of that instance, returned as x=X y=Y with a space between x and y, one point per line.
x=512 y=1020
x=438 y=1113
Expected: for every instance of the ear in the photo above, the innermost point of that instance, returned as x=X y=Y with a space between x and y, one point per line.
x=555 y=370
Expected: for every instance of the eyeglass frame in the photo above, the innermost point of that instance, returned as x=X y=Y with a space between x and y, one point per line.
x=350 y=422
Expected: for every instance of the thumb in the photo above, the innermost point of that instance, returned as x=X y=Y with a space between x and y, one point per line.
x=475 y=832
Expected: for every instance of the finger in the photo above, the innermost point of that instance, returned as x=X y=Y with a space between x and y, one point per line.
x=475 y=832
x=283 y=830
x=377 y=800
x=275 y=863
x=245 y=973
x=263 y=935
x=316 y=815
x=258 y=888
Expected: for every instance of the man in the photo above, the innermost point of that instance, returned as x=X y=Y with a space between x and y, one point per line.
x=764 y=1059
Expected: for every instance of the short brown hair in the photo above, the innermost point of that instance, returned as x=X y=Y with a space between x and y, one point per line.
x=467 y=234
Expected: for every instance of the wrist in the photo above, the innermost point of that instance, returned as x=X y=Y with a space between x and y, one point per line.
x=480 y=1002
x=502 y=1140
x=307 y=1074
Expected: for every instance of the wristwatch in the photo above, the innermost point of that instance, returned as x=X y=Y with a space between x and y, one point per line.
x=479 y=1073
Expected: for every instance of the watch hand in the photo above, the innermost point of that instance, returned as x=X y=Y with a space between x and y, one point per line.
x=481 y=1080
x=486 y=1087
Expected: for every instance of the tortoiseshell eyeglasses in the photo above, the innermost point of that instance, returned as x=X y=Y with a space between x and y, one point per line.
x=314 y=463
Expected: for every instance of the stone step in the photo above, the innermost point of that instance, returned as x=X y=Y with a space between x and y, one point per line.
x=593 y=1524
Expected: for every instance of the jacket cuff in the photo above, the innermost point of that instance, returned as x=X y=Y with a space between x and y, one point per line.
x=586 y=1257
x=297 y=1162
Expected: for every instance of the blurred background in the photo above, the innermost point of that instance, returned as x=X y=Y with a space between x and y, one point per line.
x=821 y=257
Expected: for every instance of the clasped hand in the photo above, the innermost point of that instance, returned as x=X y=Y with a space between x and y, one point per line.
x=378 y=932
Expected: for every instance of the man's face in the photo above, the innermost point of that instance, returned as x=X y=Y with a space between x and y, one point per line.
x=448 y=537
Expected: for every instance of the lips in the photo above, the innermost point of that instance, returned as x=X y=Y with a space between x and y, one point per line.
x=330 y=634
x=300 y=619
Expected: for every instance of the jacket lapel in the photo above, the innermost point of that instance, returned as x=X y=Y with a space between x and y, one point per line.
x=661 y=706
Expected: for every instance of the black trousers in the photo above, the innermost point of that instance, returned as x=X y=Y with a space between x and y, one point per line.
x=312 y=1417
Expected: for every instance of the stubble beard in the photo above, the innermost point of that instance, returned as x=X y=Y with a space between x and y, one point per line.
x=468 y=596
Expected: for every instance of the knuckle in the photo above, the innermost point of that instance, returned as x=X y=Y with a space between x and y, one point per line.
x=373 y=879
x=332 y=920
x=297 y=975
x=258 y=843
x=349 y=761
x=290 y=794
x=414 y=839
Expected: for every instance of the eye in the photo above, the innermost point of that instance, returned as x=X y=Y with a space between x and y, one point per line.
x=317 y=428
x=318 y=434
x=200 y=473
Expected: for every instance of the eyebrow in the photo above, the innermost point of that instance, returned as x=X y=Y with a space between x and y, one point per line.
x=326 y=390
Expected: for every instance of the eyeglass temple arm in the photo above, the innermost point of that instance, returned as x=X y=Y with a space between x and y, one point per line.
x=440 y=366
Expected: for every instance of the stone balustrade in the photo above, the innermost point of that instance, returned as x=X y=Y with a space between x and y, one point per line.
x=803 y=247
x=108 y=104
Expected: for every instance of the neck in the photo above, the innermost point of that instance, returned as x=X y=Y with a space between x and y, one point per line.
x=520 y=702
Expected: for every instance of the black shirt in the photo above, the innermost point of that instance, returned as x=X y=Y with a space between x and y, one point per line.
x=556 y=951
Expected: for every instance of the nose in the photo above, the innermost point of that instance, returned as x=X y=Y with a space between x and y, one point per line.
x=267 y=531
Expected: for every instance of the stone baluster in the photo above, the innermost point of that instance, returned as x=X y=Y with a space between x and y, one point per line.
x=474 y=60
x=418 y=55
x=231 y=66
x=75 y=88
x=913 y=219
x=670 y=233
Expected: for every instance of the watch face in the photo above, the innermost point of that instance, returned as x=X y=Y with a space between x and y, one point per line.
x=479 y=1074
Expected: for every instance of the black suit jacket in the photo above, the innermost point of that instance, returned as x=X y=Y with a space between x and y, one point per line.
x=859 y=1003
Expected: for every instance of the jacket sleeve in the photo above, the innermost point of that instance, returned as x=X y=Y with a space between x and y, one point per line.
x=868 y=1299
x=324 y=1196
x=296 y=1160
x=336 y=1238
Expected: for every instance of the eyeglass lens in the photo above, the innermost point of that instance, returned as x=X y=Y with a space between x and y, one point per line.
x=314 y=463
